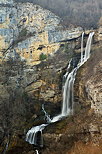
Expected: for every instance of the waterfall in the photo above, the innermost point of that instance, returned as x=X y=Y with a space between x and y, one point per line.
x=68 y=97
x=88 y=48
x=68 y=101
x=82 y=47
x=32 y=135
x=37 y=152
x=47 y=117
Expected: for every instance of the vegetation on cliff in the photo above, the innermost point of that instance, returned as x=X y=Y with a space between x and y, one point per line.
x=24 y=86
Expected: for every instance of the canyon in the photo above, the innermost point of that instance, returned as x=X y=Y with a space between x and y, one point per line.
x=35 y=50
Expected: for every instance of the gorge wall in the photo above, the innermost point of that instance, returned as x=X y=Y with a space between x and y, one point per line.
x=34 y=53
x=30 y=31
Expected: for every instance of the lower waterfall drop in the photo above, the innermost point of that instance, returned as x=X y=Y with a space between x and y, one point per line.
x=34 y=135
x=37 y=152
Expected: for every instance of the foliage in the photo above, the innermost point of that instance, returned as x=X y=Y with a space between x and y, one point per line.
x=42 y=56
x=23 y=33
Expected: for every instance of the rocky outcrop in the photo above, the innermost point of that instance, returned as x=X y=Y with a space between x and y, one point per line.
x=30 y=31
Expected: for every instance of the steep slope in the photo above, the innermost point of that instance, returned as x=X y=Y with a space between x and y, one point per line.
x=82 y=132
x=85 y=13
x=27 y=82
x=30 y=31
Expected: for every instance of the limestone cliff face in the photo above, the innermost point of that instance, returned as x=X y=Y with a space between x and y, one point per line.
x=31 y=30
x=26 y=31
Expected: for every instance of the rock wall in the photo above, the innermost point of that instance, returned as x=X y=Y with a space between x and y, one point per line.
x=31 y=30
x=26 y=31
x=90 y=82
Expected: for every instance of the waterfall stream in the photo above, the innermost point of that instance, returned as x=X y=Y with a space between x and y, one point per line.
x=47 y=117
x=37 y=152
x=68 y=99
x=82 y=54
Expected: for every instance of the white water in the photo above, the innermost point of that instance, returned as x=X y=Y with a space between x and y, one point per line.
x=46 y=114
x=68 y=101
x=37 y=152
x=88 y=48
x=31 y=134
x=82 y=50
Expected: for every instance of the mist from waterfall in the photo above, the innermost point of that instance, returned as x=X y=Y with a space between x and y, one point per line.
x=68 y=94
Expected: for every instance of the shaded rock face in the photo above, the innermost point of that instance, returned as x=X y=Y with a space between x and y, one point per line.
x=90 y=85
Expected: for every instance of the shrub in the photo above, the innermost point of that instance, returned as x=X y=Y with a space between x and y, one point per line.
x=23 y=33
x=42 y=56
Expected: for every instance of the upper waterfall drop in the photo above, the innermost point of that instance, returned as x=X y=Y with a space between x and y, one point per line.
x=88 y=47
x=68 y=99
x=68 y=93
x=82 y=50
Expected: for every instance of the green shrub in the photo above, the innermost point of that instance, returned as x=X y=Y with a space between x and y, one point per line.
x=42 y=56
x=23 y=32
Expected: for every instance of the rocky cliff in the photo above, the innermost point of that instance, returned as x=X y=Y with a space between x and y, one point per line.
x=34 y=51
x=30 y=31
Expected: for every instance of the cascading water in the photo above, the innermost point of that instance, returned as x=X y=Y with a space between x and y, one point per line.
x=68 y=94
x=47 y=117
x=82 y=53
x=67 y=107
x=68 y=101
x=37 y=152
x=31 y=135
x=88 y=48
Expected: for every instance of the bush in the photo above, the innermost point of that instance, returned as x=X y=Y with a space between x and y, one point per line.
x=23 y=33
x=42 y=56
